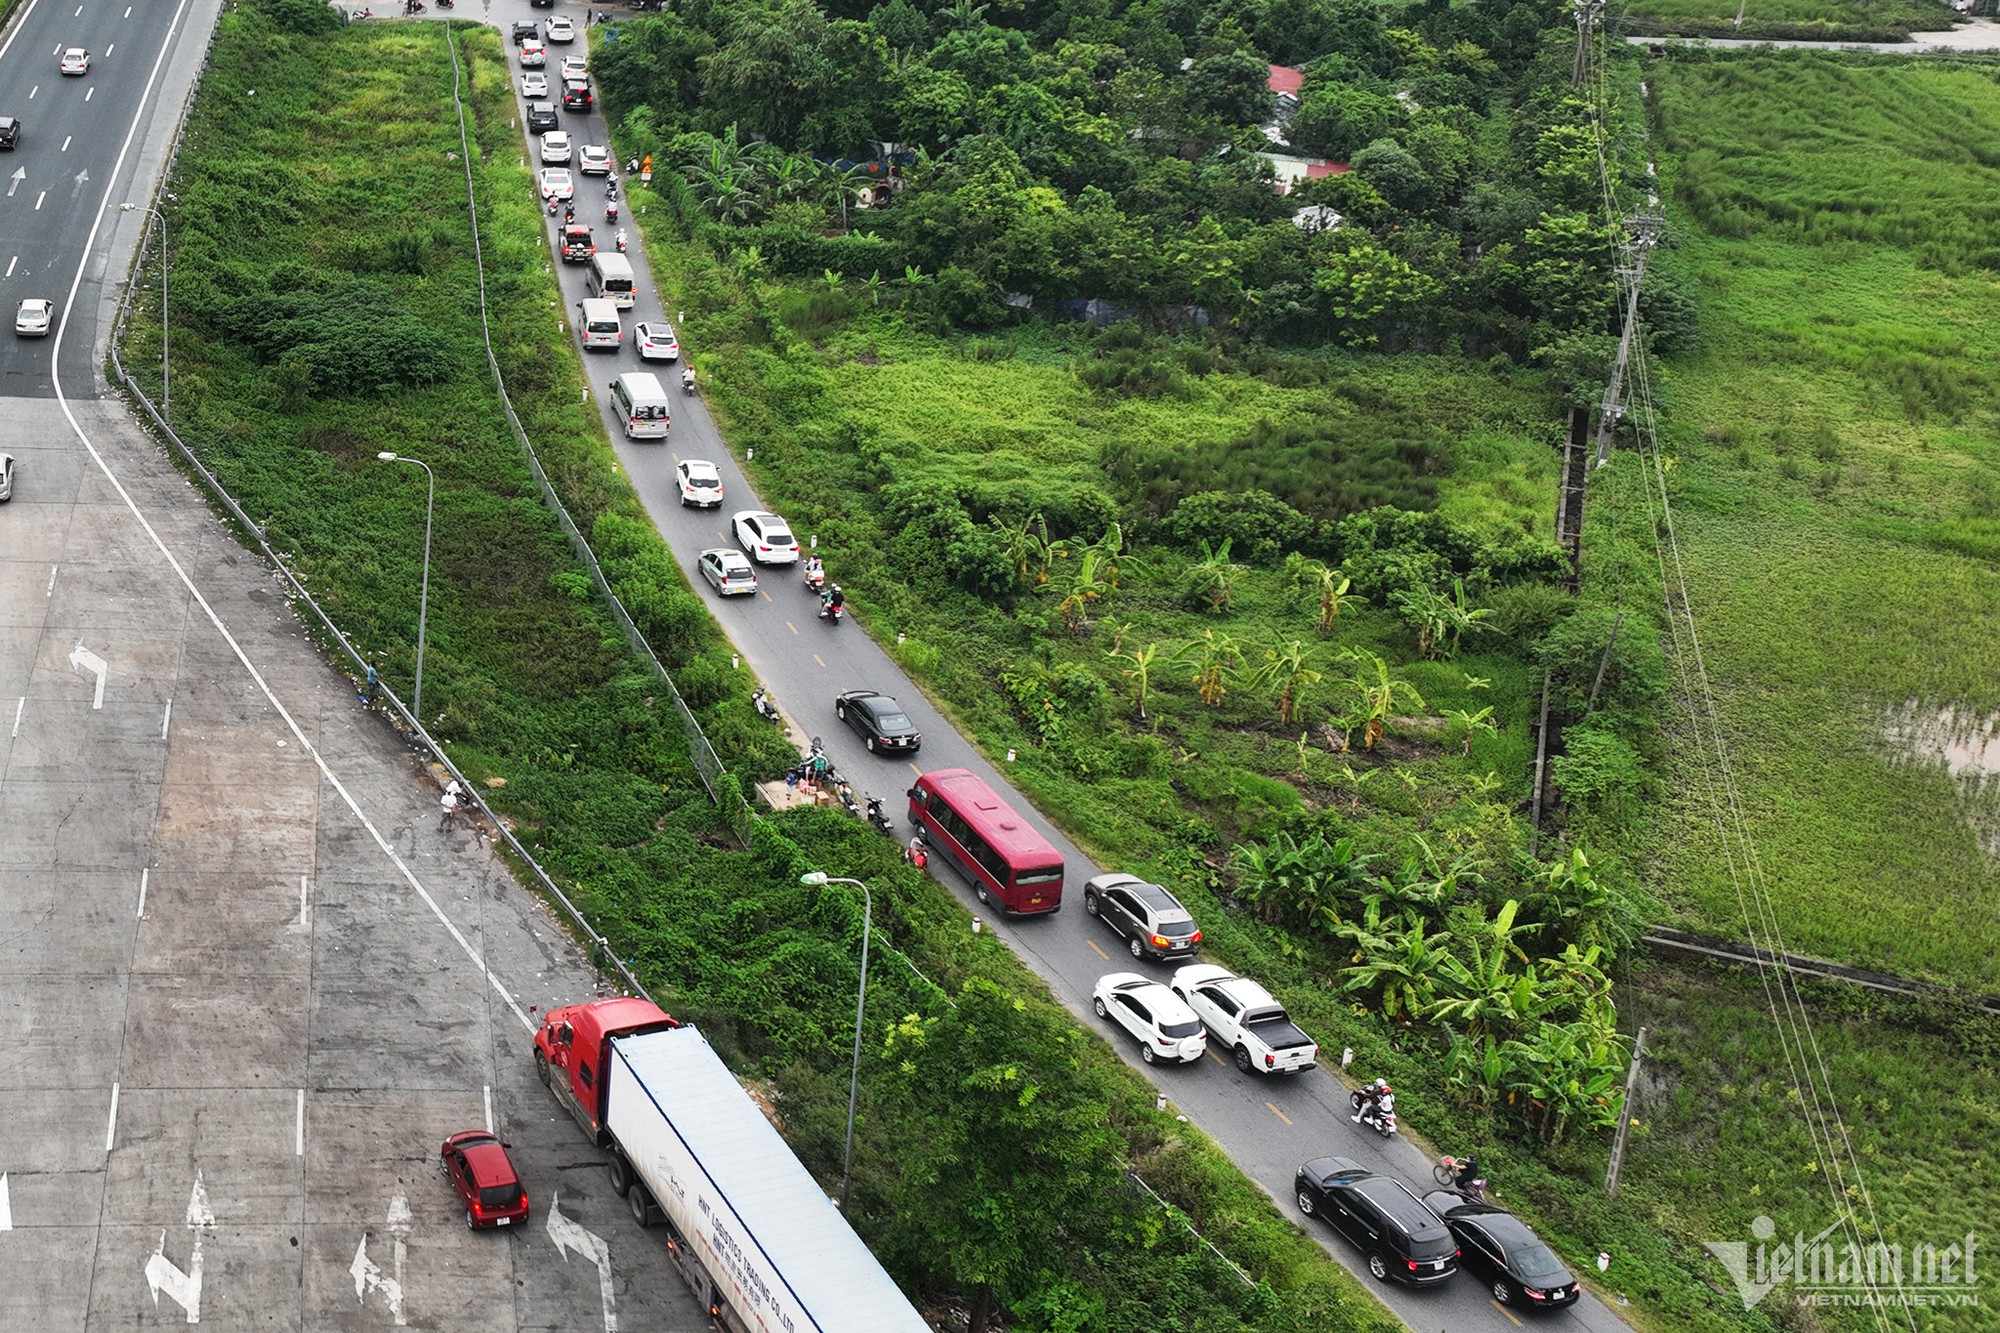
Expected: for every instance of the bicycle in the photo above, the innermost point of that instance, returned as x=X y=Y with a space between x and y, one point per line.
x=1447 y=1171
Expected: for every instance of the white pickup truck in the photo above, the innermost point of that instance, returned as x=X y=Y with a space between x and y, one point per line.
x=1242 y=1016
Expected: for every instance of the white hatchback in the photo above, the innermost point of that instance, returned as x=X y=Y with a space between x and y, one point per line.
x=700 y=482
x=765 y=537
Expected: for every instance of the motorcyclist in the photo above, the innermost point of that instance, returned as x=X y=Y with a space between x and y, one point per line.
x=815 y=571
x=611 y=211
x=687 y=379
x=834 y=599
x=621 y=240
x=1370 y=1100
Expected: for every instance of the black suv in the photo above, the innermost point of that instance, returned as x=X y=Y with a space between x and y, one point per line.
x=1153 y=922
x=541 y=117
x=10 y=131
x=576 y=95
x=523 y=31
x=1403 y=1239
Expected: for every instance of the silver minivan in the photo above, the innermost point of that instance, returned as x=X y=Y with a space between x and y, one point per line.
x=600 y=325
x=642 y=405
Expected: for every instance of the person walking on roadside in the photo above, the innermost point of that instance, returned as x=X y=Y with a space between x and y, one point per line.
x=447 y=811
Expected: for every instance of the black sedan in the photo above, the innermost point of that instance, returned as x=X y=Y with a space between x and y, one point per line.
x=1511 y=1259
x=880 y=721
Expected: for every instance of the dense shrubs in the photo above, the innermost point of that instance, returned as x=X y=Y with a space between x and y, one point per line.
x=349 y=334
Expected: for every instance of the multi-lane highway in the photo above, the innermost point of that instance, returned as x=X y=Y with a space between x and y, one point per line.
x=248 y=986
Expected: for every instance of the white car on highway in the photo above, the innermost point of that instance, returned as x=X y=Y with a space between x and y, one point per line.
x=76 y=60
x=557 y=183
x=32 y=320
x=657 y=341
x=765 y=537
x=1166 y=1028
x=700 y=482
x=593 y=159
x=561 y=28
x=533 y=54
x=534 y=84
x=556 y=147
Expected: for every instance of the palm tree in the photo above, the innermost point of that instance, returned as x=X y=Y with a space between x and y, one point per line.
x=1213 y=577
x=1290 y=670
x=1379 y=692
x=1216 y=659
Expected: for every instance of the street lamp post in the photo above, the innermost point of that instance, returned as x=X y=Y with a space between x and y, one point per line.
x=816 y=878
x=423 y=597
x=166 y=366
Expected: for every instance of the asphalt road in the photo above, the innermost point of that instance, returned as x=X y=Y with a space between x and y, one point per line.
x=249 y=987
x=1267 y=1126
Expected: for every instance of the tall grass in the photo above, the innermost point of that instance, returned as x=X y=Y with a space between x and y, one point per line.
x=1807 y=20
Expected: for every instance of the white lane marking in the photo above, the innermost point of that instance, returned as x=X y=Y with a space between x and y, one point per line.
x=52 y=568
x=111 y=1124
x=187 y=582
x=305 y=900
x=167 y=720
x=109 y=49
x=143 y=876
x=39 y=198
x=10 y=265
x=568 y=1235
x=82 y=657
x=19 y=709
x=65 y=147
x=184 y=1289
x=6 y=1208
x=489 y=1109
x=128 y=12
x=299 y=1134
x=87 y=93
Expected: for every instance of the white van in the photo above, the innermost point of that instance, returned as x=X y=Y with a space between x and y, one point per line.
x=642 y=405
x=610 y=277
x=598 y=321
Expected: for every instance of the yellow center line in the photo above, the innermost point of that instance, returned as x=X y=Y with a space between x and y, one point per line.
x=816 y=658
x=1099 y=952
x=914 y=769
x=1504 y=1310
x=1280 y=1114
x=1218 y=1059
x=790 y=626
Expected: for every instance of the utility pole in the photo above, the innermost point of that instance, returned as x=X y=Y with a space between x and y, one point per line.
x=1585 y=12
x=1624 y=1116
x=1631 y=274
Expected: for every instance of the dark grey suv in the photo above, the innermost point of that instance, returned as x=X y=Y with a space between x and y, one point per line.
x=1404 y=1240
x=541 y=117
x=1153 y=922
x=10 y=131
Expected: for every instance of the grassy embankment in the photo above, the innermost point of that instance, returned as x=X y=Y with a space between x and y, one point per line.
x=323 y=312
x=1837 y=490
x=1789 y=20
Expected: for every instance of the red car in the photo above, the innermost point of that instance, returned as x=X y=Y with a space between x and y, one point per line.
x=478 y=1167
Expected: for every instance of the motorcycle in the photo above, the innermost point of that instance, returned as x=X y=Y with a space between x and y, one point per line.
x=880 y=817
x=621 y=240
x=830 y=609
x=687 y=383
x=760 y=699
x=846 y=795
x=1378 y=1115
x=916 y=855
x=611 y=189
x=815 y=578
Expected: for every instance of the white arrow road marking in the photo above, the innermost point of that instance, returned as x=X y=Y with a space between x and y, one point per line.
x=82 y=657
x=6 y=1209
x=81 y=179
x=367 y=1277
x=162 y=1274
x=570 y=1235
x=14 y=181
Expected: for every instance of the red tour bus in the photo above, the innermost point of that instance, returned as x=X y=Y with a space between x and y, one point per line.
x=1006 y=860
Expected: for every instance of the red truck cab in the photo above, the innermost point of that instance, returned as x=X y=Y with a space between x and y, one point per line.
x=571 y=1047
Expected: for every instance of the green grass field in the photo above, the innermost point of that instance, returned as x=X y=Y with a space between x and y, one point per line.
x=1798 y=20
x=1838 y=482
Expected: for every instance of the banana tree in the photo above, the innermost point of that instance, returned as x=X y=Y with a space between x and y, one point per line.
x=1290 y=670
x=1216 y=658
x=1379 y=693
x=1396 y=962
x=1563 y=1074
x=1140 y=673
x=1331 y=586
x=1213 y=577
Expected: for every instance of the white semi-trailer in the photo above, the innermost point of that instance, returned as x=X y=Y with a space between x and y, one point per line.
x=752 y=1232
